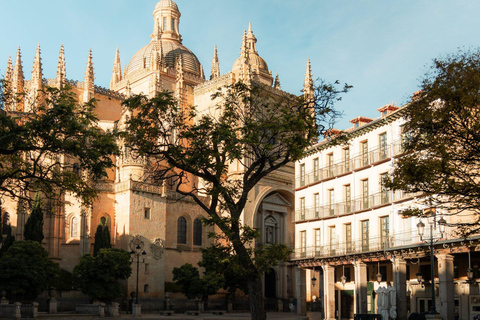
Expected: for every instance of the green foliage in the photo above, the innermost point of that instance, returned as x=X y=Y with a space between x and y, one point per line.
x=442 y=138
x=253 y=126
x=102 y=238
x=65 y=281
x=58 y=146
x=188 y=278
x=26 y=270
x=34 y=225
x=98 y=276
x=8 y=241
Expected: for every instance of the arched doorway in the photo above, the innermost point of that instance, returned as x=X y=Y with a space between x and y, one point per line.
x=270 y=290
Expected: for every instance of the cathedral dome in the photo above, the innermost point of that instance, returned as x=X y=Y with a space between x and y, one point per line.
x=255 y=61
x=172 y=51
x=166 y=4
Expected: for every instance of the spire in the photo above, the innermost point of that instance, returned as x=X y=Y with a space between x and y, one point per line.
x=215 y=65
x=128 y=89
x=245 y=70
x=18 y=79
x=276 y=85
x=179 y=81
x=155 y=84
x=117 y=70
x=9 y=71
x=89 y=86
x=61 y=70
x=202 y=74
x=251 y=40
x=308 y=84
x=37 y=71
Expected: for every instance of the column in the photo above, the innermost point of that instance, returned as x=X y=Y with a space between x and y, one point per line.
x=400 y=283
x=361 y=286
x=446 y=290
x=329 y=292
x=300 y=279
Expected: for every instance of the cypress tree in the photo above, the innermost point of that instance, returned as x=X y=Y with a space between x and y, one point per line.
x=102 y=237
x=8 y=241
x=34 y=226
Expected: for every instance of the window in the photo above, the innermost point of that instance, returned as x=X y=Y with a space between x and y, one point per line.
x=384 y=232
x=316 y=204
x=147 y=267
x=316 y=169
x=146 y=213
x=145 y=288
x=382 y=143
x=331 y=201
x=365 y=225
x=303 y=244
x=182 y=230
x=197 y=232
x=302 y=174
x=330 y=164
x=317 y=242
x=365 y=203
x=364 y=153
x=384 y=199
x=74 y=227
x=348 y=238
x=332 y=239
x=346 y=159
x=164 y=23
x=302 y=208
x=173 y=24
x=404 y=137
x=347 y=195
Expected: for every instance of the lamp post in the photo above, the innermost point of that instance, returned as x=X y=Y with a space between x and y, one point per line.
x=136 y=253
x=421 y=229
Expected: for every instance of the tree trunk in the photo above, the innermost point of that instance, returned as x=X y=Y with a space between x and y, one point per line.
x=255 y=299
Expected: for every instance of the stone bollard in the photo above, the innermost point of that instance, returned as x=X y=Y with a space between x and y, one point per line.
x=200 y=305
x=229 y=305
x=17 y=312
x=113 y=309
x=137 y=310
x=4 y=300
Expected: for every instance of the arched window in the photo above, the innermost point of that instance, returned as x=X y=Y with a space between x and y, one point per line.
x=182 y=230
x=197 y=232
x=74 y=227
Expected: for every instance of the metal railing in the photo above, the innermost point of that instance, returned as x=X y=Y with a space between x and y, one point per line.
x=370 y=244
x=361 y=203
x=345 y=166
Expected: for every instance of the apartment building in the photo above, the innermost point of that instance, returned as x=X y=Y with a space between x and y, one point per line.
x=360 y=253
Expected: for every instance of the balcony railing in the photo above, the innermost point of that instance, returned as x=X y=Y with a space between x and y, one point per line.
x=370 y=244
x=338 y=209
x=346 y=166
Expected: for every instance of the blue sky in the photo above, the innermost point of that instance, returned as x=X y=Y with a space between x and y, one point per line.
x=382 y=48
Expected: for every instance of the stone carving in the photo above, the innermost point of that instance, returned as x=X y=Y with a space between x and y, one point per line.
x=137 y=241
x=157 y=248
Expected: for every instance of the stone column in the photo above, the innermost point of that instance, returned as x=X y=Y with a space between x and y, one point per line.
x=400 y=283
x=329 y=291
x=361 y=286
x=446 y=290
x=300 y=279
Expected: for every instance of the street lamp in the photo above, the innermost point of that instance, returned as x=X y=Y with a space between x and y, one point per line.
x=379 y=275
x=421 y=229
x=314 y=280
x=343 y=278
x=137 y=252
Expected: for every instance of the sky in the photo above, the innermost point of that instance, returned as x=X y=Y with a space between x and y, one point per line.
x=380 y=47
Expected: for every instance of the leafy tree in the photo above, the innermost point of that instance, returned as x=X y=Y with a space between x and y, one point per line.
x=26 y=270
x=442 y=139
x=34 y=225
x=97 y=276
x=56 y=147
x=251 y=127
x=188 y=277
x=102 y=237
x=6 y=242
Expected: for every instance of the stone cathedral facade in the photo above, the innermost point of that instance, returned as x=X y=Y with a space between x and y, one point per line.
x=167 y=227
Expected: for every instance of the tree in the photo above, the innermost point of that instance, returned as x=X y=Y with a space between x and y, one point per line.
x=442 y=139
x=188 y=277
x=97 y=276
x=102 y=237
x=8 y=241
x=56 y=147
x=34 y=225
x=26 y=270
x=252 y=127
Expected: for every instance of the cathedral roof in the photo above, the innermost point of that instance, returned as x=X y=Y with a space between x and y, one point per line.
x=166 y=3
x=172 y=50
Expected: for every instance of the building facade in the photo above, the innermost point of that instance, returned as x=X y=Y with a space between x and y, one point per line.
x=357 y=247
x=165 y=225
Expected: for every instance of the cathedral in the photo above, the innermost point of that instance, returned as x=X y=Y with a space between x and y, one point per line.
x=167 y=227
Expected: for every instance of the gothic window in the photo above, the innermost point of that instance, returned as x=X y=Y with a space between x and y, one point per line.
x=182 y=230
x=74 y=227
x=197 y=232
